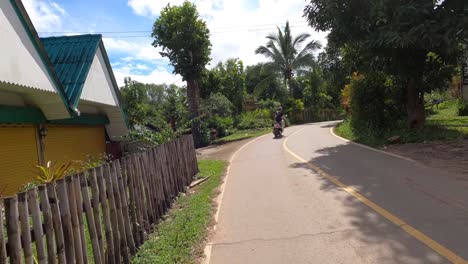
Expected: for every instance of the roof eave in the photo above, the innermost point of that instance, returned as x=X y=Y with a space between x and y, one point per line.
x=32 y=33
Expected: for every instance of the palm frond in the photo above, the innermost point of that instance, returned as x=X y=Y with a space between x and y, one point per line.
x=298 y=40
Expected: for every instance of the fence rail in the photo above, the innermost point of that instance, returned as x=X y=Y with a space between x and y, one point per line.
x=102 y=215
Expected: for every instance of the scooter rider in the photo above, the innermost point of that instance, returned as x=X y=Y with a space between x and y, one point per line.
x=279 y=117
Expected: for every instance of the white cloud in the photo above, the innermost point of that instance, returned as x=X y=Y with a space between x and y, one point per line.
x=239 y=27
x=45 y=14
x=135 y=50
x=159 y=75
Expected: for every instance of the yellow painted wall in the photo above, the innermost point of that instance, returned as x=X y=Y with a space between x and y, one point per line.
x=65 y=143
x=18 y=157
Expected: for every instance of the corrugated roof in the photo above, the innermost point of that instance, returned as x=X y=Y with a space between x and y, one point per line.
x=72 y=57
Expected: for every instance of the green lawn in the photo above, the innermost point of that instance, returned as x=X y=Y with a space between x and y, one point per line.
x=179 y=239
x=243 y=134
x=441 y=124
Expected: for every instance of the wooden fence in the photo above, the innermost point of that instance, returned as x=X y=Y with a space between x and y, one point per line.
x=100 y=216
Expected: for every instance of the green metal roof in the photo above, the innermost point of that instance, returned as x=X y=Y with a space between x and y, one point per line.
x=72 y=57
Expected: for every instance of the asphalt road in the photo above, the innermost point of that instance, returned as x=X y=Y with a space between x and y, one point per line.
x=310 y=197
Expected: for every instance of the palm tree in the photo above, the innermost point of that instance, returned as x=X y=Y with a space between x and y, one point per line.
x=289 y=56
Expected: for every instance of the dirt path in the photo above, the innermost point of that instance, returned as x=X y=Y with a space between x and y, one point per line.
x=448 y=156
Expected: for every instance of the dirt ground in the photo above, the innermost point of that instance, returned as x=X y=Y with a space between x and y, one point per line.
x=449 y=156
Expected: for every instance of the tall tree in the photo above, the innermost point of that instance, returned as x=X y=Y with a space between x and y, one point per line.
x=232 y=81
x=184 y=38
x=407 y=39
x=288 y=55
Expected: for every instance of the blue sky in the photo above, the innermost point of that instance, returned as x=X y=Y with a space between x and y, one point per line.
x=237 y=28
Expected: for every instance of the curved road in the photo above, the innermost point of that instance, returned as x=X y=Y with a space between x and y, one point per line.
x=311 y=197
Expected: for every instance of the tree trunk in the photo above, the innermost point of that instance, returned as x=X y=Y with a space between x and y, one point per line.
x=415 y=105
x=193 y=94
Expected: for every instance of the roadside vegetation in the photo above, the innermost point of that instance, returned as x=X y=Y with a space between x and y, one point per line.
x=180 y=237
x=443 y=123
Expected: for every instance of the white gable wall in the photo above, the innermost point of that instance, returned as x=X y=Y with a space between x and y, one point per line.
x=20 y=62
x=98 y=86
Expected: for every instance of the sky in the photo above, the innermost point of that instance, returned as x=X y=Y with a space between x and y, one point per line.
x=237 y=28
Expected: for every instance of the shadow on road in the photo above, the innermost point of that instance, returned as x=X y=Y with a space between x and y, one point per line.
x=391 y=186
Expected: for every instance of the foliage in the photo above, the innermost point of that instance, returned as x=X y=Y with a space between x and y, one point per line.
x=270 y=105
x=93 y=161
x=462 y=107
x=371 y=138
x=255 y=119
x=144 y=134
x=222 y=125
x=52 y=171
x=372 y=107
x=154 y=104
x=415 y=42
x=232 y=81
x=178 y=238
x=294 y=107
x=184 y=39
x=287 y=54
x=216 y=104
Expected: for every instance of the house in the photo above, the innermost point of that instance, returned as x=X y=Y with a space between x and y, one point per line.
x=59 y=100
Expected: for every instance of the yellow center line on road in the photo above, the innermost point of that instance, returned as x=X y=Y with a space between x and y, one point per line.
x=434 y=245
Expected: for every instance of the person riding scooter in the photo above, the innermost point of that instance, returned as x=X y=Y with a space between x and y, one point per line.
x=279 y=117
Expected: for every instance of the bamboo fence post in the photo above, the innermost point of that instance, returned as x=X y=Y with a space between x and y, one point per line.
x=137 y=192
x=74 y=219
x=79 y=209
x=23 y=213
x=158 y=183
x=90 y=218
x=48 y=224
x=149 y=195
x=54 y=207
x=123 y=192
x=3 y=252
x=141 y=188
x=118 y=206
x=66 y=221
x=96 y=211
x=33 y=203
x=153 y=185
x=13 y=229
x=106 y=216
x=165 y=177
x=113 y=213
x=133 y=204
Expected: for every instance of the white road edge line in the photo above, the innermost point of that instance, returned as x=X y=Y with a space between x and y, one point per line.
x=220 y=197
x=370 y=148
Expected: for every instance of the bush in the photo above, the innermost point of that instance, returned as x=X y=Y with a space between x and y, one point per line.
x=294 y=108
x=223 y=125
x=142 y=133
x=373 y=106
x=216 y=104
x=462 y=107
x=256 y=119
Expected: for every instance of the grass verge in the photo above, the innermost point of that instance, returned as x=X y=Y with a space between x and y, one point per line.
x=242 y=134
x=443 y=123
x=179 y=238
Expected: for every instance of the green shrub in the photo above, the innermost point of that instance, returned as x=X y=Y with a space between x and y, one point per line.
x=223 y=125
x=256 y=119
x=216 y=104
x=462 y=107
x=373 y=106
